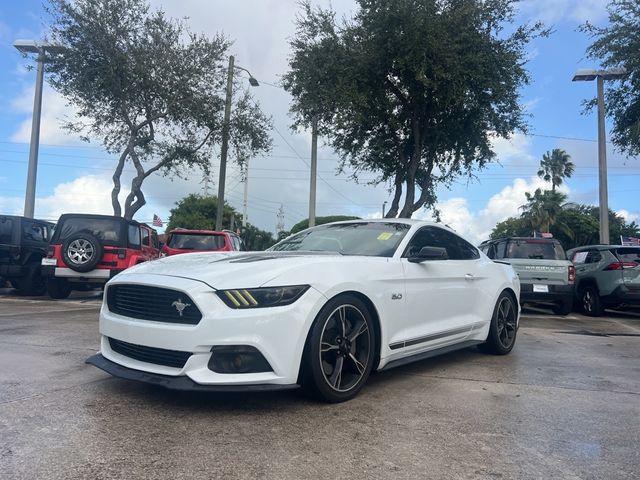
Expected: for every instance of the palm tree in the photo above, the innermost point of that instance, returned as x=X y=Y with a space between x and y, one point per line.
x=555 y=166
x=542 y=208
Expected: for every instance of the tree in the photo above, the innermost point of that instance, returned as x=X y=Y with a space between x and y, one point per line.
x=198 y=212
x=542 y=208
x=555 y=166
x=511 y=227
x=413 y=90
x=152 y=92
x=618 y=45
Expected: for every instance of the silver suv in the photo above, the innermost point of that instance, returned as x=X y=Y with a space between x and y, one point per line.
x=606 y=276
x=546 y=276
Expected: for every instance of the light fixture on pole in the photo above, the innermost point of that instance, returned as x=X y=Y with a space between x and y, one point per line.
x=41 y=48
x=224 y=148
x=587 y=75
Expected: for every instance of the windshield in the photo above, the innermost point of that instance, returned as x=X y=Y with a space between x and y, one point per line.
x=107 y=230
x=372 y=239
x=535 y=249
x=191 y=241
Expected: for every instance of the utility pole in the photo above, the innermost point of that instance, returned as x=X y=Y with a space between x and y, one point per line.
x=246 y=191
x=225 y=145
x=602 y=167
x=280 y=216
x=314 y=172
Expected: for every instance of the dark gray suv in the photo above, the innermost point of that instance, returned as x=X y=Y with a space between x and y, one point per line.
x=606 y=276
x=546 y=276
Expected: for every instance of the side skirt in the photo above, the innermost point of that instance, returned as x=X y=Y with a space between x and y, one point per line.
x=431 y=353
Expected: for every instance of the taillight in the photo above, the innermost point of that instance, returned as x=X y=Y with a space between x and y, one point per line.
x=572 y=274
x=50 y=251
x=621 y=265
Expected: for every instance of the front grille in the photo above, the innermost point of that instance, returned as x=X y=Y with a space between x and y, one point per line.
x=157 y=356
x=152 y=303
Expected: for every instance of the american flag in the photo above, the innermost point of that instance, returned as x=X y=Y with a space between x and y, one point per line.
x=157 y=221
x=630 y=241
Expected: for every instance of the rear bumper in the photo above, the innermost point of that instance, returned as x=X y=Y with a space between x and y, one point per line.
x=94 y=276
x=181 y=382
x=556 y=293
x=622 y=295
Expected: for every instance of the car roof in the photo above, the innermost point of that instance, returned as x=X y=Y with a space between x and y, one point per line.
x=27 y=218
x=189 y=231
x=406 y=221
x=601 y=247
x=106 y=217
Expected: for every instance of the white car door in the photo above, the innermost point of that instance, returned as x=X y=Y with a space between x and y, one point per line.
x=442 y=297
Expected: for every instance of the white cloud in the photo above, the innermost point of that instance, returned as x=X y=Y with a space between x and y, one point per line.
x=629 y=216
x=54 y=111
x=514 y=149
x=576 y=11
x=477 y=226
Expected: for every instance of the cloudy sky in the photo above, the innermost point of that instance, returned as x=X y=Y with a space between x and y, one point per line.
x=76 y=177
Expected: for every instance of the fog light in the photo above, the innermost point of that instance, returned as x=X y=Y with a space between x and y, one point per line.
x=237 y=359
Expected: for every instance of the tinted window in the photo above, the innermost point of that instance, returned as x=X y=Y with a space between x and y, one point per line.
x=33 y=231
x=134 y=236
x=535 y=249
x=107 y=230
x=457 y=248
x=6 y=227
x=500 y=248
x=154 y=239
x=146 y=237
x=195 y=241
x=377 y=239
x=628 y=254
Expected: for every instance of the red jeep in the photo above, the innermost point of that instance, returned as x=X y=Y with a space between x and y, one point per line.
x=87 y=250
x=181 y=240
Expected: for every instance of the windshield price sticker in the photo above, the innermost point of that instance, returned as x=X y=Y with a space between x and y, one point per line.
x=385 y=236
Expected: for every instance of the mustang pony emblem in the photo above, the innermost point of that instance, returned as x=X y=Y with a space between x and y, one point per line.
x=180 y=306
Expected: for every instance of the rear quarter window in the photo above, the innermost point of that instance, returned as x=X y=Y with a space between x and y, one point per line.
x=628 y=254
x=6 y=229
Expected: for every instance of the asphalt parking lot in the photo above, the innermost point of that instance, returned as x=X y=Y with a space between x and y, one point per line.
x=565 y=404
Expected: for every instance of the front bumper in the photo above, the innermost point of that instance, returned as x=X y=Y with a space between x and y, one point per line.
x=278 y=333
x=177 y=383
x=556 y=293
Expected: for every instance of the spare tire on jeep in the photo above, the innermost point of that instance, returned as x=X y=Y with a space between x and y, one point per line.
x=82 y=252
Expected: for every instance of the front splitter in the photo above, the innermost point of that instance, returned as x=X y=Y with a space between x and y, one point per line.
x=181 y=382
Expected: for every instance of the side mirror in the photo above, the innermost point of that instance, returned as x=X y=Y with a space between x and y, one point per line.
x=429 y=253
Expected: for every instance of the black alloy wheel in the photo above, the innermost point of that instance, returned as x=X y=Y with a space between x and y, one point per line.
x=82 y=252
x=503 y=328
x=340 y=352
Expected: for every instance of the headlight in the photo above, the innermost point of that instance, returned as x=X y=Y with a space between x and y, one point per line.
x=262 y=297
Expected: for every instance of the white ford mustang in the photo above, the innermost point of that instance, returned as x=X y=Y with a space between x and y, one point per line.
x=321 y=309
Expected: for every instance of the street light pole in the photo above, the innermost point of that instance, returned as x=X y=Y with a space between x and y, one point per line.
x=224 y=148
x=314 y=172
x=601 y=75
x=24 y=47
x=384 y=204
x=246 y=191
x=225 y=144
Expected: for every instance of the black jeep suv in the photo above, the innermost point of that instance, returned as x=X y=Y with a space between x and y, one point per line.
x=23 y=244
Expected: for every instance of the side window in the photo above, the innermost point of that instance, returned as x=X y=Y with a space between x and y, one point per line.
x=236 y=243
x=146 y=237
x=134 y=236
x=491 y=251
x=154 y=240
x=33 y=231
x=593 y=256
x=6 y=230
x=500 y=249
x=457 y=248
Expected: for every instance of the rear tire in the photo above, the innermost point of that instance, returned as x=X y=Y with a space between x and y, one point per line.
x=58 y=288
x=340 y=350
x=503 y=328
x=590 y=303
x=31 y=283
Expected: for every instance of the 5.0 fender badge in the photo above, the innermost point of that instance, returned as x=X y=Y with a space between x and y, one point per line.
x=396 y=296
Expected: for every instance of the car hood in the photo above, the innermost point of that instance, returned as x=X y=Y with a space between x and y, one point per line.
x=224 y=270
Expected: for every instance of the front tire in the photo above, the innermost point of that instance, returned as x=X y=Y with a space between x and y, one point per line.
x=564 y=307
x=31 y=283
x=340 y=350
x=503 y=328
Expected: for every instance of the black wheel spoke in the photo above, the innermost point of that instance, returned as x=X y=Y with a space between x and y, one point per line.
x=357 y=363
x=327 y=347
x=360 y=328
x=336 y=375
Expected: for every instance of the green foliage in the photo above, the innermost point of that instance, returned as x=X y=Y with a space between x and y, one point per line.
x=151 y=91
x=575 y=226
x=198 y=212
x=542 y=209
x=618 y=45
x=304 y=224
x=413 y=90
x=556 y=166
